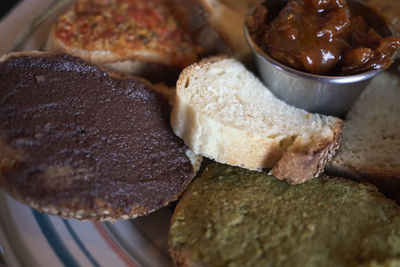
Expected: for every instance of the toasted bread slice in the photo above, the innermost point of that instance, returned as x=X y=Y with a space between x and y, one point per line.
x=134 y=37
x=223 y=112
x=370 y=148
x=234 y=217
x=80 y=142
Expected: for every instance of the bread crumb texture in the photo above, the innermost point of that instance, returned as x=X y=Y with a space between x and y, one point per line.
x=371 y=139
x=235 y=217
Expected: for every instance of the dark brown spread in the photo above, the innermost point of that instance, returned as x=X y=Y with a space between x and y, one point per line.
x=88 y=140
x=322 y=37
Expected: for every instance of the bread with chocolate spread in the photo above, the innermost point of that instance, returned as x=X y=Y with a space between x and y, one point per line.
x=80 y=142
x=223 y=112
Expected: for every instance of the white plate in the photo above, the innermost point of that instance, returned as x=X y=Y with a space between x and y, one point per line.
x=30 y=238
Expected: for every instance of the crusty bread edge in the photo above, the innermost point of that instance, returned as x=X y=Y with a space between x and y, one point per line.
x=299 y=167
x=103 y=213
x=181 y=255
x=387 y=182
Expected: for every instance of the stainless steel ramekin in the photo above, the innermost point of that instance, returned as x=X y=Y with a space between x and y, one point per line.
x=331 y=95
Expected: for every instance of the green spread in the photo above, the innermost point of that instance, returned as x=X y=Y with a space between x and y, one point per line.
x=234 y=217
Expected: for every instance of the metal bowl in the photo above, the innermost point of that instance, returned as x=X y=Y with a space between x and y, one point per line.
x=331 y=95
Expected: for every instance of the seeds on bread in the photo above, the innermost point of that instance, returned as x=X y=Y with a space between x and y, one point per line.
x=223 y=112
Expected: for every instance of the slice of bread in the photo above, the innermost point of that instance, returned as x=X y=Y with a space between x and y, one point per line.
x=218 y=24
x=370 y=148
x=84 y=143
x=223 y=112
x=134 y=37
x=228 y=16
x=235 y=217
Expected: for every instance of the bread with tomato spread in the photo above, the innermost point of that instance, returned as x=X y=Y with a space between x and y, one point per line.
x=84 y=143
x=135 y=37
x=223 y=112
x=370 y=148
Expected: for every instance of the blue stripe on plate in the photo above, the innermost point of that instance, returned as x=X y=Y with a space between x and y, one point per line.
x=1 y=256
x=80 y=243
x=2 y=262
x=54 y=239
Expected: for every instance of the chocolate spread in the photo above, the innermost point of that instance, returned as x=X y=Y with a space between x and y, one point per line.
x=88 y=139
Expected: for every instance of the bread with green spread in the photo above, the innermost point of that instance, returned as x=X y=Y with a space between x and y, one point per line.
x=223 y=112
x=235 y=217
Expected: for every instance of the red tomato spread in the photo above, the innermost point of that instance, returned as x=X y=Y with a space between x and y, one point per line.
x=126 y=27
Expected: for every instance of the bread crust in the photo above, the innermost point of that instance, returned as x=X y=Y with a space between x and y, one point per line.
x=135 y=62
x=295 y=166
x=386 y=181
x=182 y=257
x=12 y=159
x=73 y=208
x=151 y=66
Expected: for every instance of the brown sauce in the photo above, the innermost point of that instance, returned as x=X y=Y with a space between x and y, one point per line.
x=322 y=37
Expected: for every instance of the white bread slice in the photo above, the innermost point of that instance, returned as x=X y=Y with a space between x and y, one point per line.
x=370 y=148
x=223 y=112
